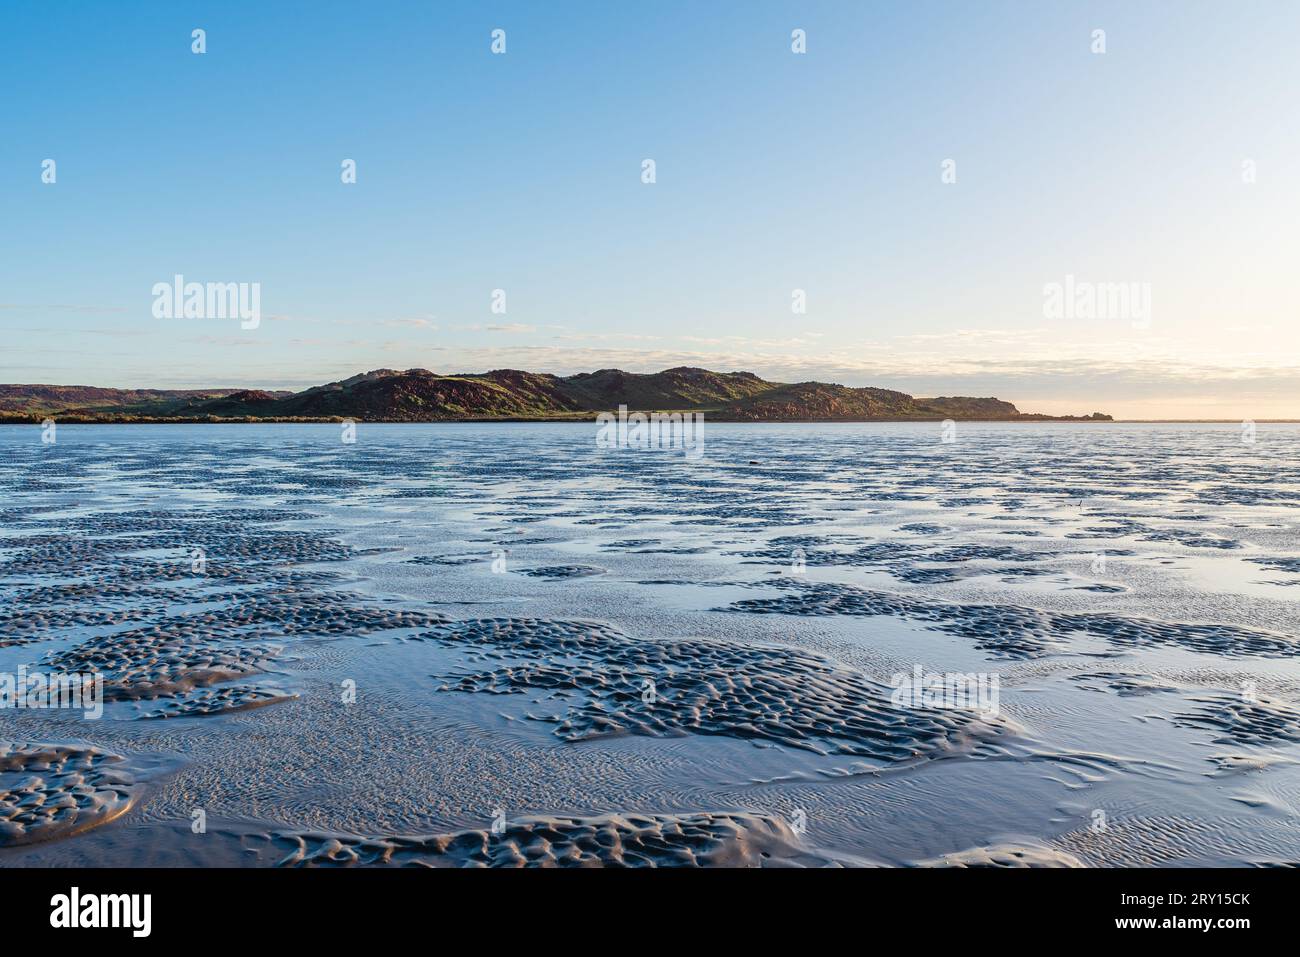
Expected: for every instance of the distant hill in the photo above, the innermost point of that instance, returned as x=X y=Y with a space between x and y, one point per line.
x=418 y=395
x=29 y=399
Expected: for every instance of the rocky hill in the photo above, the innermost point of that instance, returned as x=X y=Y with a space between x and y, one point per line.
x=418 y=395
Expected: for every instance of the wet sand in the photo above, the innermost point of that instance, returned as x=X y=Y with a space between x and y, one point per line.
x=458 y=645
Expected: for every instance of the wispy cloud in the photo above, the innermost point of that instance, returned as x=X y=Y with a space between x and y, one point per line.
x=61 y=307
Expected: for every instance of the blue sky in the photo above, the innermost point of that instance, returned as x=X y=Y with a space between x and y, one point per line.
x=775 y=172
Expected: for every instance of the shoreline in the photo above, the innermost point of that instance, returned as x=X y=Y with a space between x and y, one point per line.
x=1026 y=420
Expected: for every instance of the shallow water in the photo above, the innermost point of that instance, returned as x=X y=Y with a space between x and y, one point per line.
x=634 y=656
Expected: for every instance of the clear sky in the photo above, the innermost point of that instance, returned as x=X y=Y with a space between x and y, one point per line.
x=774 y=171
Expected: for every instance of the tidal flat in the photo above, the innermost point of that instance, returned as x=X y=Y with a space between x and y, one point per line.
x=500 y=645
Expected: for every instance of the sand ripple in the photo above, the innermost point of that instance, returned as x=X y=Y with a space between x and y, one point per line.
x=1262 y=721
x=55 y=790
x=1012 y=631
x=1006 y=855
x=616 y=840
x=615 y=684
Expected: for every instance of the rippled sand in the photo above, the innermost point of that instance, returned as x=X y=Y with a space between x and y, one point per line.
x=456 y=645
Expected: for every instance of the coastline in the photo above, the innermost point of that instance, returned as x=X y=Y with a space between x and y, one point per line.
x=588 y=418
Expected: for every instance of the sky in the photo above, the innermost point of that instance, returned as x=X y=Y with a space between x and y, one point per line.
x=1166 y=165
